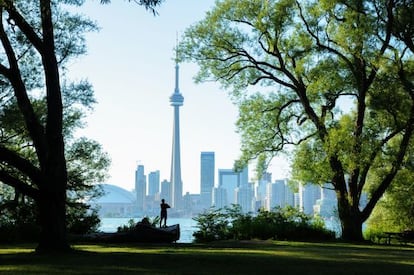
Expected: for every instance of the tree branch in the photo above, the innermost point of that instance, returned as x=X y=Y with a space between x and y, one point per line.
x=34 y=127
x=19 y=185
x=21 y=164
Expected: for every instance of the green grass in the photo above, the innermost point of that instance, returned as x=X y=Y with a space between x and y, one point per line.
x=220 y=258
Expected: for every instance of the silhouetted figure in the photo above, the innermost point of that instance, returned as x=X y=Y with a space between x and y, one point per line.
x=164 y=207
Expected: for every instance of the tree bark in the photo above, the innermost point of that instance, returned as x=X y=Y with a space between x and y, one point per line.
x=351 y=221
x=351 y=228
x=52 y=219
x=52 y=202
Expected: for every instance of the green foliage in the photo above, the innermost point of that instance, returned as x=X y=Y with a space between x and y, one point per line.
x=82 y=219
x=328 y=80
x=148 y=4
x=212 y=224
x=395 y=211
x=280 y=224
x=127 y=227
x=131 y=225
x=26 y=104
x=18 y=221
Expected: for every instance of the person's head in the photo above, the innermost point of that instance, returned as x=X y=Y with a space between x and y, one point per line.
x=162 y=200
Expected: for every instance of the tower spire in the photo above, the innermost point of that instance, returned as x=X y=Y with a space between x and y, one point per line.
x=176 y=100
x=177 y=72
x=177 y=68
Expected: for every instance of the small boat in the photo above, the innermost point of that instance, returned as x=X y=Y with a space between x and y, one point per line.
x=142 y=233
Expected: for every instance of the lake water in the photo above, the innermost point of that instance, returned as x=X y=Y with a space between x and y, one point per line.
x=187 y=226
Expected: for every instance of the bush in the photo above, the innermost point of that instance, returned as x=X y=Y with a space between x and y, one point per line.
x=213 y=224
x=281 y=223
x=131 y=225
x=18 y=221
x=12 y=233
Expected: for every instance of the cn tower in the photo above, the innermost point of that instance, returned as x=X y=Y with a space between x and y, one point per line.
x=176 y=100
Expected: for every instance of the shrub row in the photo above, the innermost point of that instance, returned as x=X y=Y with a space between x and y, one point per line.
x=279 y=224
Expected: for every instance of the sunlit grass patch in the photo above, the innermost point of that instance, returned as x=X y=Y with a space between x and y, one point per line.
x=15 y=249
x=223 y=257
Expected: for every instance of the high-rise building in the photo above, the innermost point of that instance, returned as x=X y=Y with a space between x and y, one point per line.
x=166 y=191
x=140 y=187
x=279 y=194
x=153 y=183
x=176 y=100
x=261 y=194
x=308 y=195
x=219 y=197
x=207 y=168
x=245 y=198
x=244 y=177
x=326 y=206
x=232 y=182
x=289 y=194
x=229 y=180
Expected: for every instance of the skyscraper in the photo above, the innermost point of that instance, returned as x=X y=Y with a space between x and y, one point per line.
x=229 y=180
x=140 y=187
x=176 y=100
x=309 y=194
x=166 y=190
x=207 y=167
x=153 y=183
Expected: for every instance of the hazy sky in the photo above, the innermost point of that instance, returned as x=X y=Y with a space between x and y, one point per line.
x=130 y=64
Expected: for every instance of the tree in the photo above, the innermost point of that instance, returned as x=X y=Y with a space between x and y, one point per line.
x=395 y=210
x=37 y=39
x=86 y=164
x=336 y=81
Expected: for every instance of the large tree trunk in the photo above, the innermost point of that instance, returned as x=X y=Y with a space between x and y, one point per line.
x=52 y=202
x=53 y=237
x=52 y=212
x=351 y=222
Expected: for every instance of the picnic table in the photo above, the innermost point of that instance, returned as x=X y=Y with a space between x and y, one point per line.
x=402 y=237
x=388 y=236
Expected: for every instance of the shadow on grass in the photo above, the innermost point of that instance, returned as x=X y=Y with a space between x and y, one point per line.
x=236 y=258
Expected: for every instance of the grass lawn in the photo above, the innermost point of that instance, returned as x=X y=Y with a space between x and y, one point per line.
x=251 y=257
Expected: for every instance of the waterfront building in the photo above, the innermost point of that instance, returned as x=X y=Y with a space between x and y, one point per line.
x=234 y=182
x=115 y=202
x=279 y=194
x=153 y=183
x=207 y=171
x=326 y=206
x=229 y=180
x=219 y=197
x=192 y=205
x=140 y=188
x=260 y=190
x=245 y=198
x=308 y=195
x=166 y=191
x=289 y=194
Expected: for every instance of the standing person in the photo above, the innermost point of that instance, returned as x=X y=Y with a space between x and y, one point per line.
x=164 y=207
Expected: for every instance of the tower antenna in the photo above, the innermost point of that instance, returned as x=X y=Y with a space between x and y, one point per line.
x=176 y=48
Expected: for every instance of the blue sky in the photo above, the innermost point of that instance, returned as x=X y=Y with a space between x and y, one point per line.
x=130 y=65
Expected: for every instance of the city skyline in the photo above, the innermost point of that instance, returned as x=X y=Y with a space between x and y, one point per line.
x=130 y=64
